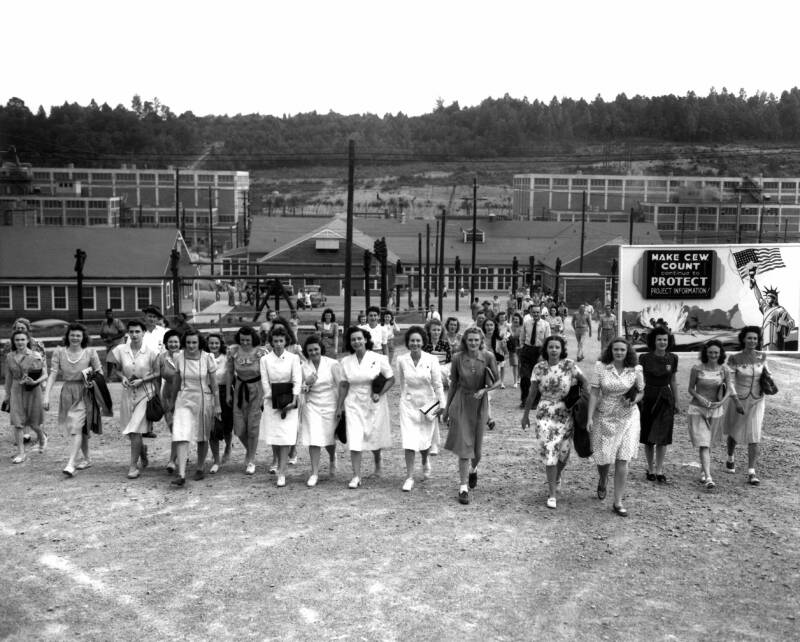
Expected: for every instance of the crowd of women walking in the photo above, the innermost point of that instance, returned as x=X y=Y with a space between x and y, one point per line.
x=280 y=396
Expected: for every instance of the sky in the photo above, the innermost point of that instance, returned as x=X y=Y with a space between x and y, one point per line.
x=355 y=56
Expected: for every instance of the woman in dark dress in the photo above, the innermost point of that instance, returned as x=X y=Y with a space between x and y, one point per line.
x=660 y=401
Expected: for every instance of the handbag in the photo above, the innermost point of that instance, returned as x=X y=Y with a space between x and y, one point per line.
x=33 y=374
x=5 y=406
x=341 y=429
x=378 y=383
x=282 y=395
x=768 y=386
x=218 y=431
x=572 y=396
x=722 y=390
x=630 y=393
x=581 y=439
x=155 y=409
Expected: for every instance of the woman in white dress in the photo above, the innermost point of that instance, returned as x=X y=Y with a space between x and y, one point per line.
x=26 y=370
x=614 y=416
x=279 y=424
x=196 y=404
x=366 y=411
x=321 y=376
x=138 y=366
x=421 y=401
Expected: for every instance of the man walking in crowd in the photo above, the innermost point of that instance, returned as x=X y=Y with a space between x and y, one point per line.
x=154 y=330
x=582 y=324
x=534 y=331
x=112 y=333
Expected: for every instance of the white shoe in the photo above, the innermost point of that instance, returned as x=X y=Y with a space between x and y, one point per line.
x=273 y=470
x=214 y=469
x=293 y=461
x=281 y=481
x=426 y=470
x=251 y=469
x=312 y=481
x=355 y=482
x=408 y=484
x=551 y=502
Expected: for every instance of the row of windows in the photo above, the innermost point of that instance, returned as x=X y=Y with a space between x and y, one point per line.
x=60 y=299
x=652 y=184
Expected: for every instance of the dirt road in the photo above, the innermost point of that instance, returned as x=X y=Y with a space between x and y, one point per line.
x=234 y=557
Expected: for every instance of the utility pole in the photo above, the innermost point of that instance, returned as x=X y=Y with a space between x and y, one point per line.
x=738 y=219
x=177 y=199
x=211 y=230
x=367 y=268
x=427 y=265
x=440 y=267
x=80 y=260
x=139 y=222
x=583 y=230
x=183 y=223
x=419 y=270
x=474 y=237
x=457 y=290
x=436 y=255
x=630 y=230
x=175 y=257
x=348 y=250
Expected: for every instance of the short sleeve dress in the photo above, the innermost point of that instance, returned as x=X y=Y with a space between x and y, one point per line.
x=318 y=412
x=615 y=429
x=133 y=402
x=26 y=405
x=420 y=388
x=327 y=334
x=247 y=392
x=274 y=429
x=467 y=415
x=169 y=379
x=746 y=373
x=657 y=409
x=553 y=420
x=367 y=422
x=705 y=424
x=193 y=418
x=75 y=397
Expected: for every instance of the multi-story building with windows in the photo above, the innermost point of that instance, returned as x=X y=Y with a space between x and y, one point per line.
x=683 y=208
x=135 y=198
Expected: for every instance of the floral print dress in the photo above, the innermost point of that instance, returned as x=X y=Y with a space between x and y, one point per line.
x=553 y=420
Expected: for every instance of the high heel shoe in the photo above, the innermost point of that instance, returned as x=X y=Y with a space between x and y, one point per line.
x=354 y=483
x=601 y=491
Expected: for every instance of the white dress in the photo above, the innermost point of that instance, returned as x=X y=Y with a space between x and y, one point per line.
x=367 y=421
x=420 y=387
x=273 y=430
x=193 y=418
x=378 y=336
x=318 y=413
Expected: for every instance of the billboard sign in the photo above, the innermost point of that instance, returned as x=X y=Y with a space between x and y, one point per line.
x=704 y=292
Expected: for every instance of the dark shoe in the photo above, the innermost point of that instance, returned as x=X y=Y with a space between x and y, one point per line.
x=463 y=497
x=491 y=424
x=651 y=476
x=199 y=474
x=730 y=467
x=601 y=491
x=178 y=481
x=661 y=479
x=473 y=480
x=149 y=435
x=622 y=512
x=752 y=479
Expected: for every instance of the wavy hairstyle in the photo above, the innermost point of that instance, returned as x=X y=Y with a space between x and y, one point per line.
x=747 y=330
x=351 y=331
x=658 y=331
x=630 y=356
x=75 y=327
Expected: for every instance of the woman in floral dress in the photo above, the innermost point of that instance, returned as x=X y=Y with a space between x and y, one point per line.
x=613 y=416
x=552 y=377
x=329 y=333
x=169 y=375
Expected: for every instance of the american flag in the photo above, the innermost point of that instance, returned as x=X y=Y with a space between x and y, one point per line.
x=763 y=259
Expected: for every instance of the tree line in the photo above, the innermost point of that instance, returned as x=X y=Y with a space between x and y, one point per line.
x=148 y=133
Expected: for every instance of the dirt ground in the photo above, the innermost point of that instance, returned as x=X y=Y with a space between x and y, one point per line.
x=234 y=557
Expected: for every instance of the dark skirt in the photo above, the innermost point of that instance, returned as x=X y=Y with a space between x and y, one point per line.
x=657 y=415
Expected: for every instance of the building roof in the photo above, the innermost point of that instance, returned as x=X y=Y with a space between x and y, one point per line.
x=42 y=252
x=335 y=228
x=503 y=239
